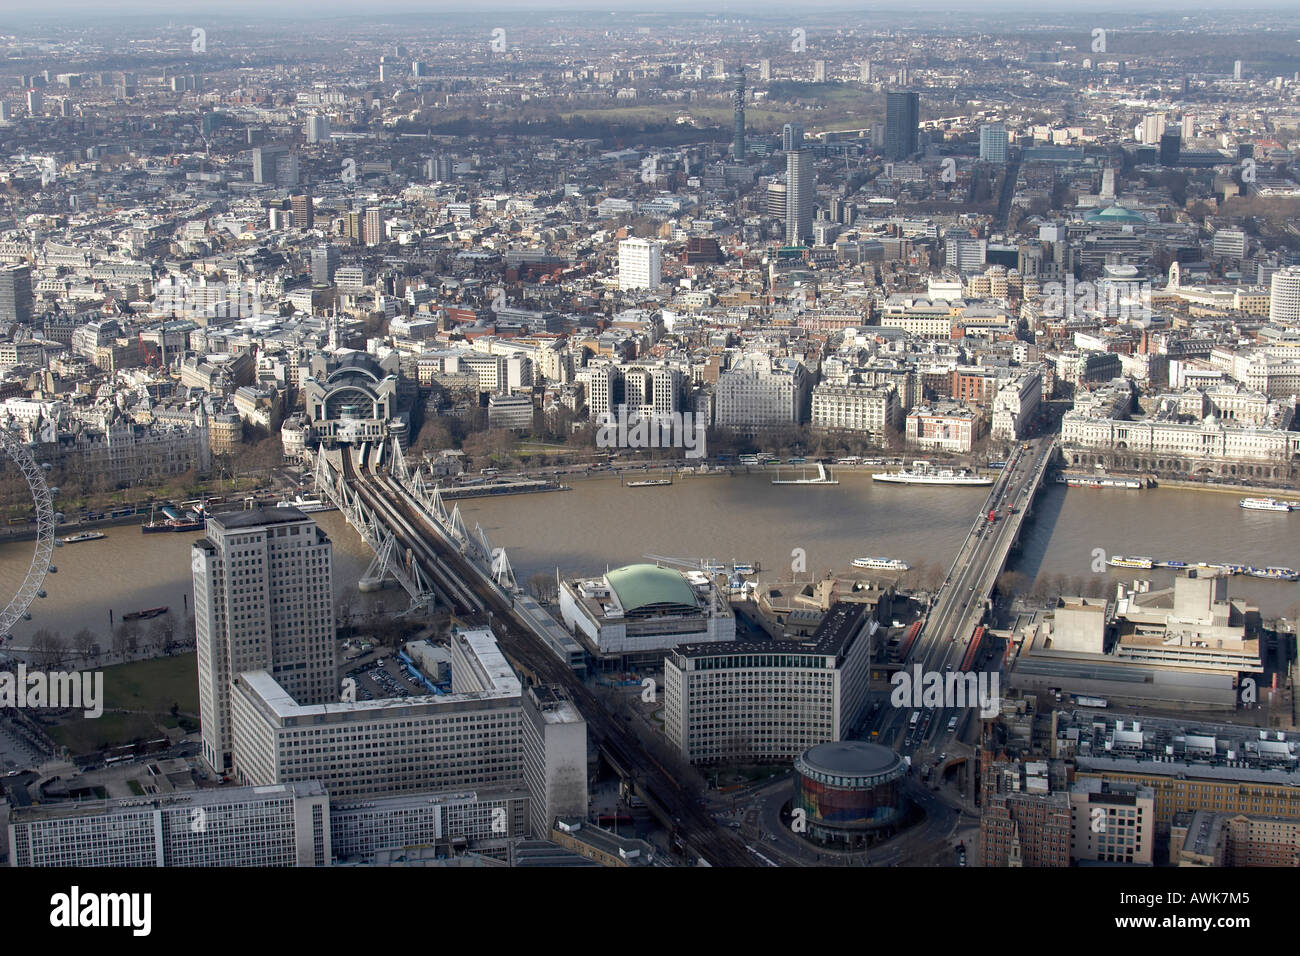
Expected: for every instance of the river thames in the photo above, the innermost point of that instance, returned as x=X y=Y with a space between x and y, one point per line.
x=743 y=518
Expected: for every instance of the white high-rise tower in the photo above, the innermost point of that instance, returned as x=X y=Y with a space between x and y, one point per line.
x=640 y=263
x=263 y=600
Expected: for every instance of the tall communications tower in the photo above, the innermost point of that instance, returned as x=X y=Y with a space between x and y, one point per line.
x=738 y=145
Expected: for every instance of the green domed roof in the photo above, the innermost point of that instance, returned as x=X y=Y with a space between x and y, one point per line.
x=1116 y=213
x=647 y=587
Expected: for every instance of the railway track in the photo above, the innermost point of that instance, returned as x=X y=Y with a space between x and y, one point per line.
x=469 y=592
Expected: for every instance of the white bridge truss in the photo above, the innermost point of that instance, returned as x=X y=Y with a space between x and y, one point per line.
x=390 y=558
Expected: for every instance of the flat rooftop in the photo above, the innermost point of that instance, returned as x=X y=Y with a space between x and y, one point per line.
x=211 y=797
x=255 y=517
x=839 y=626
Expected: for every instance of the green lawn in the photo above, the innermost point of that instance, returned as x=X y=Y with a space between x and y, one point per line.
x=153 y=685
x=150 y=687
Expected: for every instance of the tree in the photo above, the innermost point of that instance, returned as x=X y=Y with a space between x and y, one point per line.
x=1011 y=583
x=160 y=634
x=126 y=637
x=47 y=648
x=543 y=587
x=435 y=435
x=85 y=643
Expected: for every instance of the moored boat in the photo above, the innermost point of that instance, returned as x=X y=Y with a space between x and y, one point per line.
x=881 y=564
x=923 y=473
x=84 y=536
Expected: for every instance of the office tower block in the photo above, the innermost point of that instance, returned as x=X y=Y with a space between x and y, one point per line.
x=304 y=216
x=765 y=70
x=317 y=129
x=374 y=226
x=555 y=757
x=6 y=112
x=819 y=71
x=640 y=264
x=1171 y=143
x=1236 y=69
x=993 y=143
x=791 y=137
x=324 y=262
x=352 y=225
x=864 y=71
x=266 y=161
x=15 y=293
x=286 y=170
x=35 y=102
x=263 y=601
x=800 y=192
x=902 y=119
x=1284 y=300
x=774 y=201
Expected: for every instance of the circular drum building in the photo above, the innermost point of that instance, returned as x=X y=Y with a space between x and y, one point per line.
x=848 y=789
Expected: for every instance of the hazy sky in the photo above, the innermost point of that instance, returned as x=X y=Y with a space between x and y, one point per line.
x=13 y=11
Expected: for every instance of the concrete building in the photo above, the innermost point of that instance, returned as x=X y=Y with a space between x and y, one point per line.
x=791 y=137
x=1188 y=765
x=16 y=293
x=274 y=826
x=639 y=611
x=469 y=738
x=800 y=195
x=640 y=264
x=453 y=823
x=1284 y=300
x=324 y=262
x=555 y=757
x=993 y=143
x=740 y=701
x=510 y=411
x=262 y=602
x=1112 y=822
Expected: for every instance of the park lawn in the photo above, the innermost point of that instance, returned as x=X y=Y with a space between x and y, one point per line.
x=82 y=736
x=153 y=685
x=150 y=687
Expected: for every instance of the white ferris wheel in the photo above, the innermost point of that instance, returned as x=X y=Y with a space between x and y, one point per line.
x=46 y=521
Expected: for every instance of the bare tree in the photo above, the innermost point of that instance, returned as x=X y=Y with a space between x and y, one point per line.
x=934 y=576
x=47 y=648
x=1011 y=583
x=159 y=635
x=543 y=587
x=126 y=638
x=85 y=643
